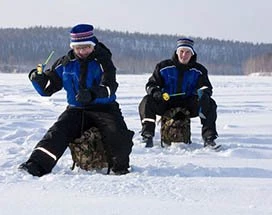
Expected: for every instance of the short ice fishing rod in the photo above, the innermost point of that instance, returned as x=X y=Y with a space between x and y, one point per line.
x=167 y=96
x=40 y=67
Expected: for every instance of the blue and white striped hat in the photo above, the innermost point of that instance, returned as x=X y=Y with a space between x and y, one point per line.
x=186 y=43
x=82 y=34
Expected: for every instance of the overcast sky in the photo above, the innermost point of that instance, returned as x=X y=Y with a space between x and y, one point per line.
x=238 y=20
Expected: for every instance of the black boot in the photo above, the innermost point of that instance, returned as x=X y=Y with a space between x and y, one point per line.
x=120 y=165
x=148 y=133
x=121 y=172
x=32 y=168
x=148 y=140
x=210 y=143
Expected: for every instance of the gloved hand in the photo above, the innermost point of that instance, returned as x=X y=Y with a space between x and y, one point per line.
x=157 y=95
x=40 y=79
x=34 y=75
x=100 y=91
x=85 y=96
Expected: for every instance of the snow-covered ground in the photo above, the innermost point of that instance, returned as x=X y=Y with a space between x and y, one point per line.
x=180 y=179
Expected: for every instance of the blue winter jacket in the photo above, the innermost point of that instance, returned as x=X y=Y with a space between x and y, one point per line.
x=66 y=73
x=172 y=77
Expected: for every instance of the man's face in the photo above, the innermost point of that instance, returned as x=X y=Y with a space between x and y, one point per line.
x=83 y=51
x=184 y=55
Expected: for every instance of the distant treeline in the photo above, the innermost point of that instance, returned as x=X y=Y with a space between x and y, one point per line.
x=133 y=53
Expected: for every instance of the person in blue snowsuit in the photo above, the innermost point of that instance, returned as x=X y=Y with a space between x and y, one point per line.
x=88 y=76
x=183 y=76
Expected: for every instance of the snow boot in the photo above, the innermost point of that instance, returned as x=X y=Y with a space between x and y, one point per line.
x=210 y=143
x=121 y=172
x=148 y=140
x=32 y=168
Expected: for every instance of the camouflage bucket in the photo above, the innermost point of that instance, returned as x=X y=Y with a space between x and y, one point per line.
x=175 y=126
x=88 y=151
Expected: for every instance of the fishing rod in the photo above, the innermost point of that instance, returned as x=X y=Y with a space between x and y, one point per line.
x=40 y=67
x=167 y=96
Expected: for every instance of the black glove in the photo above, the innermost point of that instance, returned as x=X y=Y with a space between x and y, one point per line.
x=100 y=91
x=40 y=78
x=85 y=96
x=157 y=95
x=35 y=76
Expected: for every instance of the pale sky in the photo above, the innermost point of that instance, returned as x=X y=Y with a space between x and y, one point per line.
x=238 y=20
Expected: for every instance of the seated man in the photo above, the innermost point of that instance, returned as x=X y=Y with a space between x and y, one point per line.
x=88 y=76
x=179 y=82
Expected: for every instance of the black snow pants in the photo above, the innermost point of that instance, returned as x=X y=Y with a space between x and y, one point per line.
x=70 y=125
x=149 y=108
